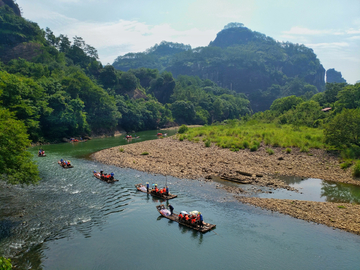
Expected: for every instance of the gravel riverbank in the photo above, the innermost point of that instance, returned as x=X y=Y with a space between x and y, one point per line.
x=184 y=159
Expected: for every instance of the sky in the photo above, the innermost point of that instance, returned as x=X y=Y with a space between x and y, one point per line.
x=116 y=27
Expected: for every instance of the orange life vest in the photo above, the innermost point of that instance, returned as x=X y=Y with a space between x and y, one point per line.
x=180 y=215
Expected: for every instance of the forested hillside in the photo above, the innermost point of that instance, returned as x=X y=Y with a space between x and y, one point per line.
x=52 y=87
x=244 y=61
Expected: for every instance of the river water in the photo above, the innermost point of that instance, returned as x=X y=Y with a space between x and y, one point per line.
x=72 y=220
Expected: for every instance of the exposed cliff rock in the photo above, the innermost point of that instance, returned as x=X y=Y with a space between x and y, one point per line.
x=333 y=76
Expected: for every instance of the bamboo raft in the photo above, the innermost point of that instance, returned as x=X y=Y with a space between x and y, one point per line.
x=66 y=166
x=153 y=193
x=105 y=180
x=203 y=229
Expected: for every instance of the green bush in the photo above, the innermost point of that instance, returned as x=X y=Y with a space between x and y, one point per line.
x=254 y=148
x=145 y=153
x=288 y=150
x=270 y=151
x=5 y=264
x=183 y=129
x=346 y=164
x=121 y=149
x=181 y=138
x=356 y=169
x=304 y=149
x=207 y=143
x=246 y=144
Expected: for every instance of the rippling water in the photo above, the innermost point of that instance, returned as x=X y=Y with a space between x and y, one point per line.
x=72 y=220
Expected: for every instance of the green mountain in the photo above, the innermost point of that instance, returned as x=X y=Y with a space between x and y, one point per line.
x=244 y=61
x=57 y=87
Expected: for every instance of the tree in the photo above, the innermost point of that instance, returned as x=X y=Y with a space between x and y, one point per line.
x=16 y=165
x=348 y=97
x=344 y=129
x=284 y=104
x=183 y=111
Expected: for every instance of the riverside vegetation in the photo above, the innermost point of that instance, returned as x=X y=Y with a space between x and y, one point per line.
x=52 y=87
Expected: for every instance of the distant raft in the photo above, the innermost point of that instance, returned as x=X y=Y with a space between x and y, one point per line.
x=175 y=217
x=107 y=180
x=142 y=188
x=65 y=166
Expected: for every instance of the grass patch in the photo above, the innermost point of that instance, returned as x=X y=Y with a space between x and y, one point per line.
x=270 y=151
x=341 y=206
x=346 y=164
x=251 y=134
x=356 y=169
x=207 y=143
x=121 y=149
x=144 y=153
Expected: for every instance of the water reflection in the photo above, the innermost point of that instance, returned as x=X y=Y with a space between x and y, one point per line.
x=339 y=192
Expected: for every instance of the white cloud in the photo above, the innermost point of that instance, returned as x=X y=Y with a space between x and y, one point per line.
x=134 y=36
x=328 y=45
x=297 y=30
x=353 y=31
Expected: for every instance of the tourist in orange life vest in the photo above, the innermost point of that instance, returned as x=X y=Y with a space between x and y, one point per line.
x=161 y=191
x=193 y=220
x=186 y=218
x=180 y=216
x=156 y=189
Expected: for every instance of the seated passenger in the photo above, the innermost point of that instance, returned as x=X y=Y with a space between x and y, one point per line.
x=180 y=216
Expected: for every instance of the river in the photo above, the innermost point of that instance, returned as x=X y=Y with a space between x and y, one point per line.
x=71 y=220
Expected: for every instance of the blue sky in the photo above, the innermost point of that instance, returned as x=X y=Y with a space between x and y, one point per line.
x=115 y=27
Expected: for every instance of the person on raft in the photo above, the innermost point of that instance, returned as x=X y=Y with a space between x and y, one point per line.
x=200 y=219
x=147 y=187
x=171 y=209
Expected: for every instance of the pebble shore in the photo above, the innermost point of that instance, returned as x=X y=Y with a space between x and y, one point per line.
x=184 y=159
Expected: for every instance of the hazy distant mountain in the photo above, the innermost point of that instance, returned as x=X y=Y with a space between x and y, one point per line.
x=333 y=76
x=241 y=60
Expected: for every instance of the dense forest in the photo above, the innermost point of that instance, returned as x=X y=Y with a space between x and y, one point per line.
x=52 y=88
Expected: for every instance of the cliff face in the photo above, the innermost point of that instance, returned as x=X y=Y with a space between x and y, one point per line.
x=333 y=76
x=18 y=36
x=247 y=62
x=12 y=5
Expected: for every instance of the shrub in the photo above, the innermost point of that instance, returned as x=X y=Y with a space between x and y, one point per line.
x=346 y=164
x=5 y=264
x=246 y=144
x=356 y=169
x=270 y=151
x=183 y=129
x=254 y=148
x=304 y=149
x=145 y=153
x=288 y=150
x=341 y=206
x=121 y=149
x=207 y=143
x=181 y=138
